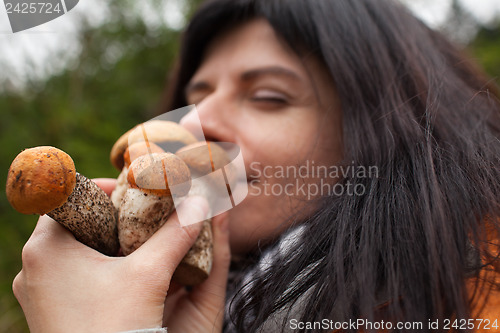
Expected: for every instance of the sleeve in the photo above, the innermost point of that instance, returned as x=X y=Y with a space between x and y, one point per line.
x=148 y=330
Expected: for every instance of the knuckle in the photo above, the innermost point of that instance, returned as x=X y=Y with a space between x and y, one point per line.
x=30 y=254
x=225 y=256
x=17 y=286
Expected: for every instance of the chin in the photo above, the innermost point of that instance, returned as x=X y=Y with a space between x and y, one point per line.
x=253 y=223
x=242 y=225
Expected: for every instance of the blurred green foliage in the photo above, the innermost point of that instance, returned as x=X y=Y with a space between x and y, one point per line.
x=486 y=49
x=116 y=83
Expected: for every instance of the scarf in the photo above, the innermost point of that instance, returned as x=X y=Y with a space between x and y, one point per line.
x=244 y=272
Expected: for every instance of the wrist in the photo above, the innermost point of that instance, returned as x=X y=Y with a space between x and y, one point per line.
x=148 y=330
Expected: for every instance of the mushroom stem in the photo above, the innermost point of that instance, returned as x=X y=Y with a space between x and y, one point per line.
x=90 y=216
x=146 y=205
x=147 y=202
x=197 y=263
x=120 y=189
x=141 y=215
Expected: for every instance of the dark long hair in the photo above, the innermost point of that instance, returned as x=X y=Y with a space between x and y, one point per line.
x=421 y=112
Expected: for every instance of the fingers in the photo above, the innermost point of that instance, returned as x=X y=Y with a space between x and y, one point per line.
x=166 y=248
x=48 y=230
x=18 y=287
x=107 y=184
x=49 y=239
x=52 y=236
x=49 y=245
x=211 y=294
x=174 y=294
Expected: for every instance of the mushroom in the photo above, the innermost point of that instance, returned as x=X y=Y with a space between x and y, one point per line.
x=132 y=152
x=167 y=134
x=202 y=159
x=149 y=137
x=154 y=179
x=43 y=180
x=197 y=263
x=147 y=202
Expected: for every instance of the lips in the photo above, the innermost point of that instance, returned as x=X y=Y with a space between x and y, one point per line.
x=252 y=174
x=252 y=179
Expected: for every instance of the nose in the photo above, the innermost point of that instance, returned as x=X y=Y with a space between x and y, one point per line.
x=212 y=113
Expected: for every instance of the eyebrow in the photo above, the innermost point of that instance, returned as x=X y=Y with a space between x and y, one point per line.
x=196 y=86
x=272 y=70
x=248 y=76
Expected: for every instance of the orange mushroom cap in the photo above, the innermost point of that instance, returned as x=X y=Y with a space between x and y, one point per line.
x=40 y=180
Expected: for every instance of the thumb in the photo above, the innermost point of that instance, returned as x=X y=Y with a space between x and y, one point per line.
x=106 y=184
x=166 y=248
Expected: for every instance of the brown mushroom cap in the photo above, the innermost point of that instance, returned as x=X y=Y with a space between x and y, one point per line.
x=157 y=173
x=40 y=180
x=203 y=157
x=158 y=131
x=140 y=148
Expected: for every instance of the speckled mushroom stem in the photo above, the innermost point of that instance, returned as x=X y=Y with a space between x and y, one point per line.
x=202 y=159
x=90 y=216
x=197 y=263
x=147 y=202
x=141 y=215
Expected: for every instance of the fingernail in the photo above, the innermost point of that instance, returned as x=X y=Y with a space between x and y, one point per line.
x=193 y=210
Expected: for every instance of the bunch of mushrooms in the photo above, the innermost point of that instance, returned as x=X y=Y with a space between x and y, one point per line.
x=143 y=194
x=43 y=180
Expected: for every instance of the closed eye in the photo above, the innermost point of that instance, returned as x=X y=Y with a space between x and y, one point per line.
x=268 y=95
x=195 y=92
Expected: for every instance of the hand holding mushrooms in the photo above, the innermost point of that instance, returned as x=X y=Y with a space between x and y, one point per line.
x=107 y=293
x=43 y=180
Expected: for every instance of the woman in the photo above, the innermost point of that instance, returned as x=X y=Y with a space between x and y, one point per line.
x=345 y=84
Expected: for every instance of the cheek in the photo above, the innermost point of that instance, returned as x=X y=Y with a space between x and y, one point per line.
x=285 y=142
x=279 y=135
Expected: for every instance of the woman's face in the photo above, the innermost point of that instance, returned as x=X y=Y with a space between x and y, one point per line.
x=253 y=90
